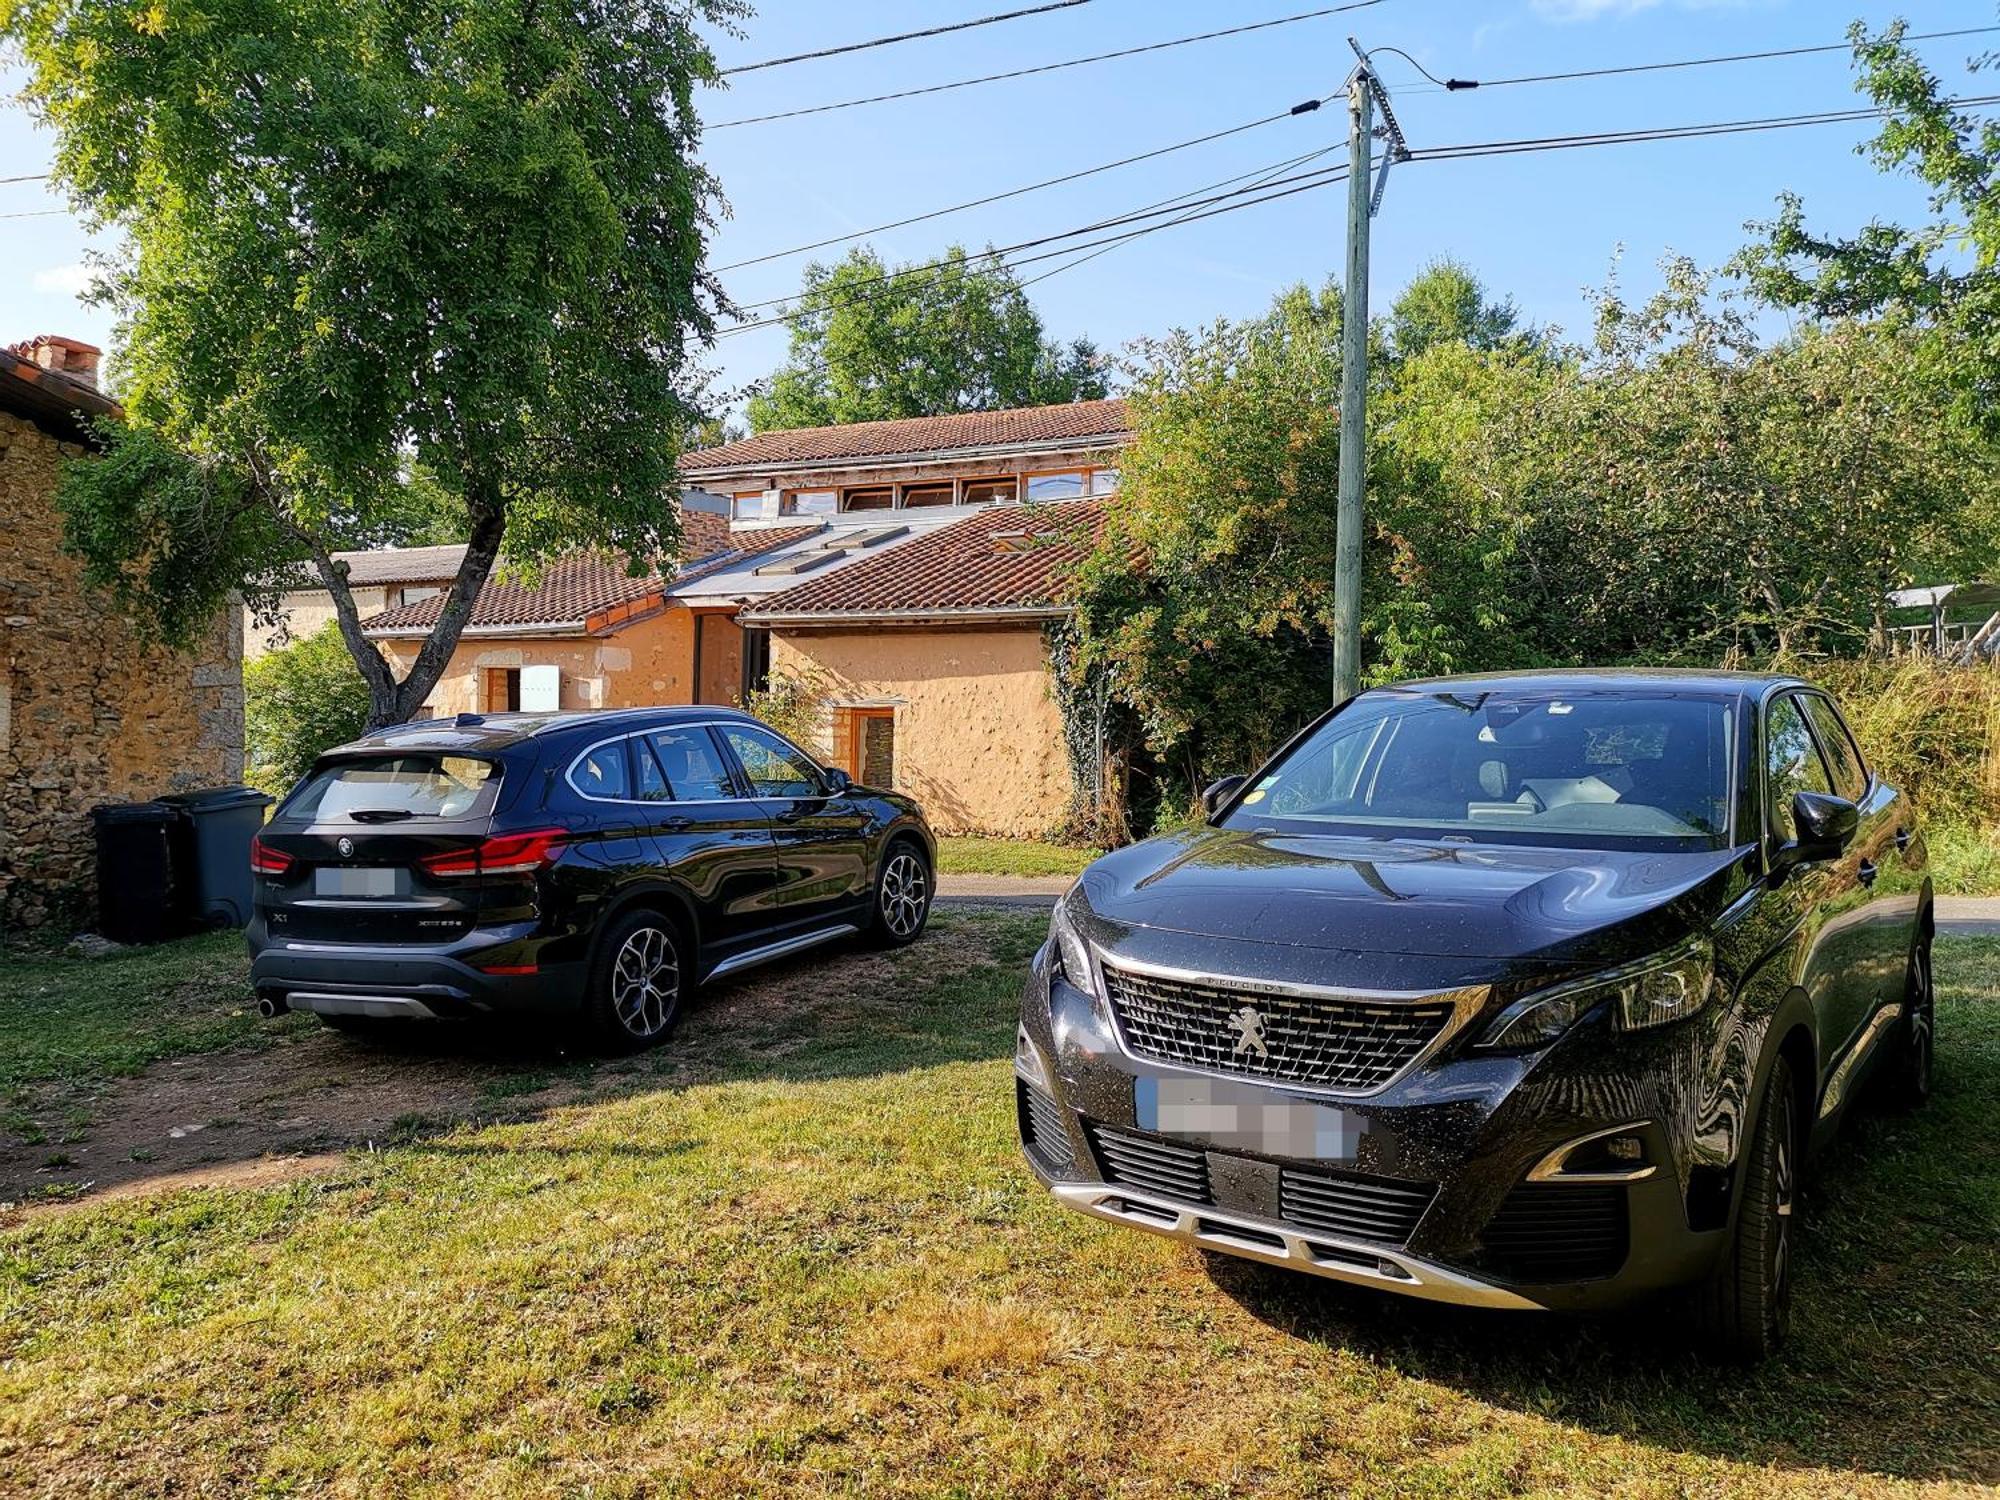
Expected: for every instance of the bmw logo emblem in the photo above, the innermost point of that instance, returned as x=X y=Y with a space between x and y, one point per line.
x=346 y=847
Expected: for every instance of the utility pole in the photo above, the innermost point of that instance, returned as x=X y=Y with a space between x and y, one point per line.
x=1364 y=197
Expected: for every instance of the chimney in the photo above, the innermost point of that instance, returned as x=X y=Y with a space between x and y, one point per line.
x=70 y=357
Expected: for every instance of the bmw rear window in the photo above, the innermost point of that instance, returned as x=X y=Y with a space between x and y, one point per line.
x=392 y=788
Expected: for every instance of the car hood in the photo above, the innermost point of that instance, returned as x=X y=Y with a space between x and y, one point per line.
x=1395 y=896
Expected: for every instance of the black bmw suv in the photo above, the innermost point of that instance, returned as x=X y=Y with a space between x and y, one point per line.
x=1518 y=991
x=588 y=865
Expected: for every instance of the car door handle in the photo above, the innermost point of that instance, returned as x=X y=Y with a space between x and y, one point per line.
x=1867 y=872
x=1902 y=839
x=674 y=825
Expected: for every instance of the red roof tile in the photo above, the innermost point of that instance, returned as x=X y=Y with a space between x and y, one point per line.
x=1079 y=421
x=1009 y=558
x=572 y=590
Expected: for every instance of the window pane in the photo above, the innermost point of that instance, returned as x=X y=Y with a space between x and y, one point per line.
x=650 y=781
x=927 y=494
x=693 y=769
x=601 y=772
x=980 y=491
x=1103 y=481
x=1055 y=486
x=1574 y=768
x=1792 y=764
x=873 y=499
x=751 y=507
x=1850 y=778
x=775 y=769
x=423 y=786
x=812 y=503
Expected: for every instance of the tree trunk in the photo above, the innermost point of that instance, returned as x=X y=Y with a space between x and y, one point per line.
x=390 y=701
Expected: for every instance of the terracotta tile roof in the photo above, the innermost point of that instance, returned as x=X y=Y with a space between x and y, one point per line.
x=395 y=565
x=702 y=533
x=1009 y=558
x=1078 y=421
x=571 y=591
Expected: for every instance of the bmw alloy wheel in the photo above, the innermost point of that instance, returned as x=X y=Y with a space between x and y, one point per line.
x=645 y=983
x=905 y=892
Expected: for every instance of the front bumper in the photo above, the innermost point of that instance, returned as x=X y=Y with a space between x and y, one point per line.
x=1461 y=1147
x=417 y=982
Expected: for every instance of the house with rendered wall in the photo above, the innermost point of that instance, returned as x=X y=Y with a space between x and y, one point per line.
x=907 y=570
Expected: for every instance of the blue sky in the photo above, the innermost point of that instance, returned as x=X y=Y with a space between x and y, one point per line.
x=1542 y=228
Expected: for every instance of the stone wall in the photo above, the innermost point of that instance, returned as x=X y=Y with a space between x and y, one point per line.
x=87 y=714
x=978 y=738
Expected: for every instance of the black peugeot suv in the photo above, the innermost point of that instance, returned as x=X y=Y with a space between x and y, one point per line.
x=594 y=866
x=1517 y=991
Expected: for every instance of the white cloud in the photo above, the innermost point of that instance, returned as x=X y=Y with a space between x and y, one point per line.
x=71 y=280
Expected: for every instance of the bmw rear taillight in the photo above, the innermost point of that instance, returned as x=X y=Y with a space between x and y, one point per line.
x=506 y=854
x=264 y=860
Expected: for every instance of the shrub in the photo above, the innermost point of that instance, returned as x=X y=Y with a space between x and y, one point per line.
x=794 y=704
x=297 y=702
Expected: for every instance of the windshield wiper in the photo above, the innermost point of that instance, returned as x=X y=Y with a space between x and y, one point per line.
x=380 y=814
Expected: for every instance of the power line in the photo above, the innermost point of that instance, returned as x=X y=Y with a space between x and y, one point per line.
x=1253 y=195
x=888 y=284
x=34 y=213
x=1305 y=107
x=1151 y=210
x=907 y=36
x=1074 y=62
x=1671 y=132
x=26 y=177
x=1455 y=85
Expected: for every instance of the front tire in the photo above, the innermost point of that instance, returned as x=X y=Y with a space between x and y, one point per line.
x=1909 y=1074
x=903 y=892
x=637 y=977
x=1744 y=1313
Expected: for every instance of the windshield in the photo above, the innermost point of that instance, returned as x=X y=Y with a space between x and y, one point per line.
x=1577 y=769
x=394 y=787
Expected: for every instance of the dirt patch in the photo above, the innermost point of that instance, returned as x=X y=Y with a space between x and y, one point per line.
x=254 y=1117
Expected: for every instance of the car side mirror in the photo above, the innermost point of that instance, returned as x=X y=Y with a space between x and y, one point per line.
x=1825 y=826
x=838 y=781
x=1218 y=792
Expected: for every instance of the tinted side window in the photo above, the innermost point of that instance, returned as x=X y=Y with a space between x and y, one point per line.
x=1791 y=763
x=691 y=764
x=1850 y=777
x=775 y=769
x=600 y=772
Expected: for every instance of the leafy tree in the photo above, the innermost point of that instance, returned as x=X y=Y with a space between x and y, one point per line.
x=1942 y=277
x=1220 y=641
x=298 y=701
x=1446 y=304
x=369 y=237
x=870 y=343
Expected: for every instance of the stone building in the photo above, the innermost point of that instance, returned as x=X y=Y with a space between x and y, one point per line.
x=87 y=713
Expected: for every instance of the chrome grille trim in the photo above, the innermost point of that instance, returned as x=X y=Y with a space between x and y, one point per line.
x=1369 y=1208
x=1322 y=1038
x=1042 y=1127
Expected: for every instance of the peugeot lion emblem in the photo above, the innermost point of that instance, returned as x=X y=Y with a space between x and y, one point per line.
x=346 y=847
x=1249 y=1025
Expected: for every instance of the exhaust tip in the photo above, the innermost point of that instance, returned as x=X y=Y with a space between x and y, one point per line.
x=267 y=1007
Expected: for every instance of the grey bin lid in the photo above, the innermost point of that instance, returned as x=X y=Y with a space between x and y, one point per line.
x=214 y=800
x=133 y=812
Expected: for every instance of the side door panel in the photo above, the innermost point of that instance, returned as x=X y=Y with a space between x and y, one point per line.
x=821 y=838
x=716 y=848
x=1827 y=897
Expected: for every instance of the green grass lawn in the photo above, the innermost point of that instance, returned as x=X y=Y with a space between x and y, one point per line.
x=1965 y=861
x=801 y=1256
x=1024 y=857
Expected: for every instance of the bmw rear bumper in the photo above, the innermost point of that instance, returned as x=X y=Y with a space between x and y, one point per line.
x=417 y=982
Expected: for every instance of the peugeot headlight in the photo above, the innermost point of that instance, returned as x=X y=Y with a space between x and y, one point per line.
x=1070 y=955
x=1656 y=991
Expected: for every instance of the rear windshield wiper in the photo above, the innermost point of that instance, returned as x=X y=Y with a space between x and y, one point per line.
x=380 y=814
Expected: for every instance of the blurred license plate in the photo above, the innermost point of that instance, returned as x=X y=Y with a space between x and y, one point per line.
x=1247 y=1117
x=341 y=881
